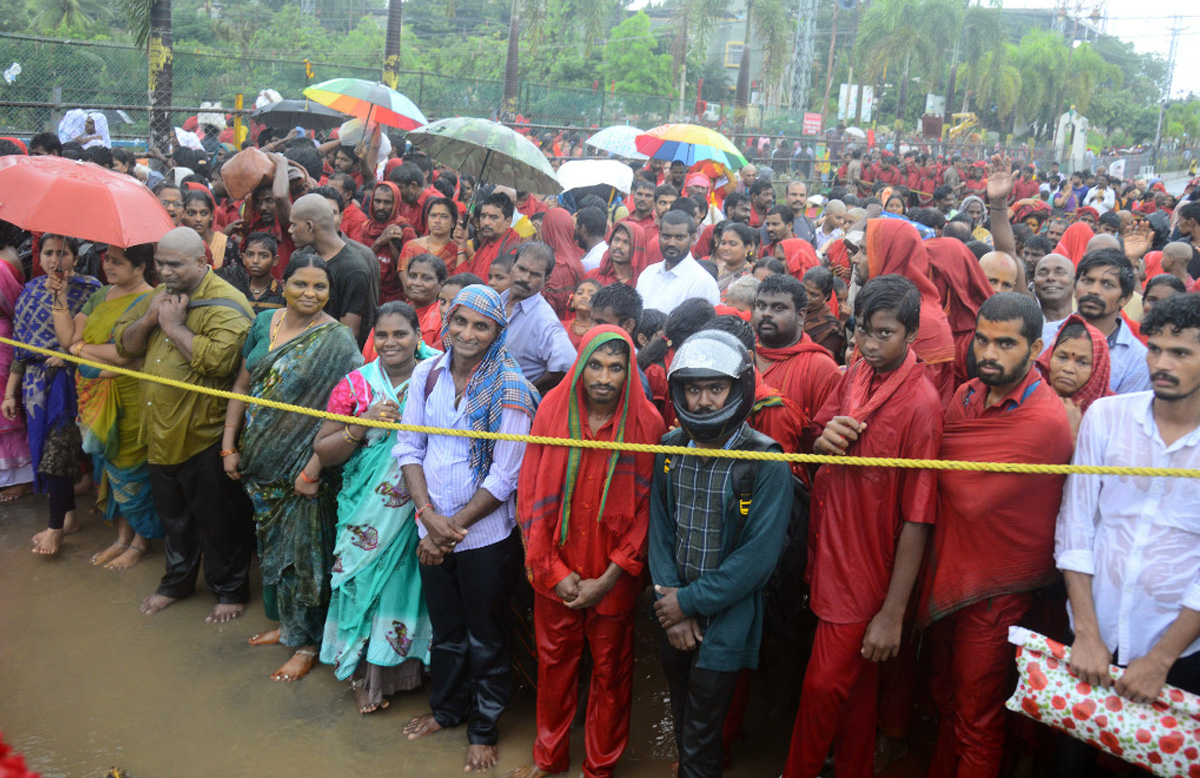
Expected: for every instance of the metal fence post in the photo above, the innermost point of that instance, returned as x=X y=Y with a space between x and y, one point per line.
x=421 y=87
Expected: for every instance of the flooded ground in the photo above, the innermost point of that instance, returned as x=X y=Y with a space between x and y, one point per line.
x=88 y=683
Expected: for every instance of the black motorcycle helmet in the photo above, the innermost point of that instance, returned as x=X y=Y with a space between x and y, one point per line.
x=707 y=355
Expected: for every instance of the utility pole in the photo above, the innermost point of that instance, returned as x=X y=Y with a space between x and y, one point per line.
x=803 y=45
x=1166 y=95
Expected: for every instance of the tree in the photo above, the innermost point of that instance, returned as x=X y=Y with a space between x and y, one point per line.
x=149 y=22
x=633 y=61
x=391 y=49
x=906 y=32
x=994 y=82
x=67 y=15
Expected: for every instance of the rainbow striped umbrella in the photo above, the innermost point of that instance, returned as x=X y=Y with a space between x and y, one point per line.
x=370 y=101
x=689 y=144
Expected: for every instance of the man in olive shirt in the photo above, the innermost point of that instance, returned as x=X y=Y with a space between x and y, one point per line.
x=192 y=330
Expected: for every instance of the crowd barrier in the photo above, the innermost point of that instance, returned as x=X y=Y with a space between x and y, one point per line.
x=911 y=464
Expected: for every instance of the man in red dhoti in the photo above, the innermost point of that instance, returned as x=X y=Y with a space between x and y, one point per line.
x=993 y=544
x=790 y=361
x=894 y=246
x=494 y=237
x=586 y=514
x=868 y=529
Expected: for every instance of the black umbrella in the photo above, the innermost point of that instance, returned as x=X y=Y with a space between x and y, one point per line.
x=286 y=114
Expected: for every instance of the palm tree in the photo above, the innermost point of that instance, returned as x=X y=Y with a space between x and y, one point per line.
x=57 y=15
x=907 y=32
x=149 y=22
x=994 y=80
x=512 y=65
x=391 y=47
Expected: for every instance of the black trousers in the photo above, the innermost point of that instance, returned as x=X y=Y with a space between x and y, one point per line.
x=700 y=700
x=468 y=597
x=208 y=519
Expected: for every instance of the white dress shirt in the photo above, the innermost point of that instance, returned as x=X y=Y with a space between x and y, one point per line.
x=1139 y=538
x=663 y=289
x=591 y=260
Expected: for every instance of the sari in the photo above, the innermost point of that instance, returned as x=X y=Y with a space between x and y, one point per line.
x=48 y=393
x=377 y=612
x=295 y=534
x=111 y=420
x=15 y=461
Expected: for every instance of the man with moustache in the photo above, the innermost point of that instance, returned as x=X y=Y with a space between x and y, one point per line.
x=643 y=205
x=664 y=285
x=192 y=330
x=778 y=226
x=539 y=343
x=1104 y=282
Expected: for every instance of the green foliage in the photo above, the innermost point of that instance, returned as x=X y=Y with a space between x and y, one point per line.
x=633 y=60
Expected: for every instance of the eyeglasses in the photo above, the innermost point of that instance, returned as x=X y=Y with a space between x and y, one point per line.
x=171 y=204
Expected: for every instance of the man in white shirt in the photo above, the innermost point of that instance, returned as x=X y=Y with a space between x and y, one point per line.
x=1129 y=548
x=664 y=285
x=591 y=225
x=1101 y=196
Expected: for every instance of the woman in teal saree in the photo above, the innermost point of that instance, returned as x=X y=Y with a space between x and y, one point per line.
x=377 y=632
x=294 y=355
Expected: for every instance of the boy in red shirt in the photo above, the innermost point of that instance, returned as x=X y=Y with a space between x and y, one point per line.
x=868 y=531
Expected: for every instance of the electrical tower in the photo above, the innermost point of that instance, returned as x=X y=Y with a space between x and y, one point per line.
x=1166 y=93
x=803 y=44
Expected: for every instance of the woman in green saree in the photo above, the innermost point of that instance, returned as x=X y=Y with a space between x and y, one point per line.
x=378 y=629
x=294 y=355
x=110 y=406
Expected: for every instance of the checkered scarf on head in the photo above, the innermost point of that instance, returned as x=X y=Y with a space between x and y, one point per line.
x=497 y=381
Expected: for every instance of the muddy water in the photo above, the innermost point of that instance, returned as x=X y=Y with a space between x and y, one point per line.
x=87 y=683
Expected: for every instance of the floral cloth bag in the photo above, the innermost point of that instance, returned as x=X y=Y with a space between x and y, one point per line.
x=1163 y=737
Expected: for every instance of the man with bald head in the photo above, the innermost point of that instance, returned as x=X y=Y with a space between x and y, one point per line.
x=1054 y=288
x=1001 y=270
x=353 y=269
x=192 y=330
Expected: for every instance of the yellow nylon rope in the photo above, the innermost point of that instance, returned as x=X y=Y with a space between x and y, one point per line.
x=769 y=456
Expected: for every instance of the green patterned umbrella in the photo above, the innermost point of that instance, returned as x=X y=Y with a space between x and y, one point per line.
x=488 y=151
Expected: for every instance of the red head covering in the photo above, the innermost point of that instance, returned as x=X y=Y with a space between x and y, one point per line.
x=894 y=246
x=1073 y=244
x=960 y=281
x=639 y=261
x=799 y=256
x=372 y=229
x=558 y=232
x=391 y=165
x=18 y=143
x=1087 y=209
x=550 y=473
x=1097 y=384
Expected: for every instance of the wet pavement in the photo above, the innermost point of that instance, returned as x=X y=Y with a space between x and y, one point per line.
x=87 y=683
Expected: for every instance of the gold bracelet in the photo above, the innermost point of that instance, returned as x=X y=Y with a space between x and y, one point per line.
x=349 y=436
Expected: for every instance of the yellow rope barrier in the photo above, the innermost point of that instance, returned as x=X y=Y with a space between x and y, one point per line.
x=913 y=464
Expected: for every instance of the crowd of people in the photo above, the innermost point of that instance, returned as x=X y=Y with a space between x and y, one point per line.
x=917 y=309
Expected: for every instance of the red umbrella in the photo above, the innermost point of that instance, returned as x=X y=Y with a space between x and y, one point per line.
x=79 y=199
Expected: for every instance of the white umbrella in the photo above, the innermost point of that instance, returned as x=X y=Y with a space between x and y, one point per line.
x=855 y=132
x=619 y=140
x=579 y=173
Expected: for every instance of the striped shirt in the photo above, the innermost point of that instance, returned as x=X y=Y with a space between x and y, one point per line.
x=447 y=460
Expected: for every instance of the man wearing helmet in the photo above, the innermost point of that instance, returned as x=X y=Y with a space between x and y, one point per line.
x=716 y=531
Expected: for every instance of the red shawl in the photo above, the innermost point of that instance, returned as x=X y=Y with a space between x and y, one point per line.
x=995 y=531
x=481 y=263
x=962 y=286
x=776 y=416
x=799 y=256
x=549 y=475
x=1097 y=384
x=839 y=259
x=894 y=246
x=639 y=261
x=803 y=372
x=371 y=229
x=558 y=232
x=1073 y=244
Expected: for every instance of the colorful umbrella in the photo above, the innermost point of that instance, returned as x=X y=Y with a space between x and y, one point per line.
x=689 y=144
x=80 y=199
x=370 y=101
x=579 y=173
x=286 y=114
x=489 y=151
x=619 y=140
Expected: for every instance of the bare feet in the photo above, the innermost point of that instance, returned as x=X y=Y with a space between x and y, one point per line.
x=15 y=492
x=269 y=638
x=131 y=557
x=362 y=696
x=84 y=485
x=421 y=726
x=481 y=758
x=110 y=553
x=154 y=603
x=70 y=526
x=297 y=667
x=225 y=611
x=531 y=771
x=47 y=542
